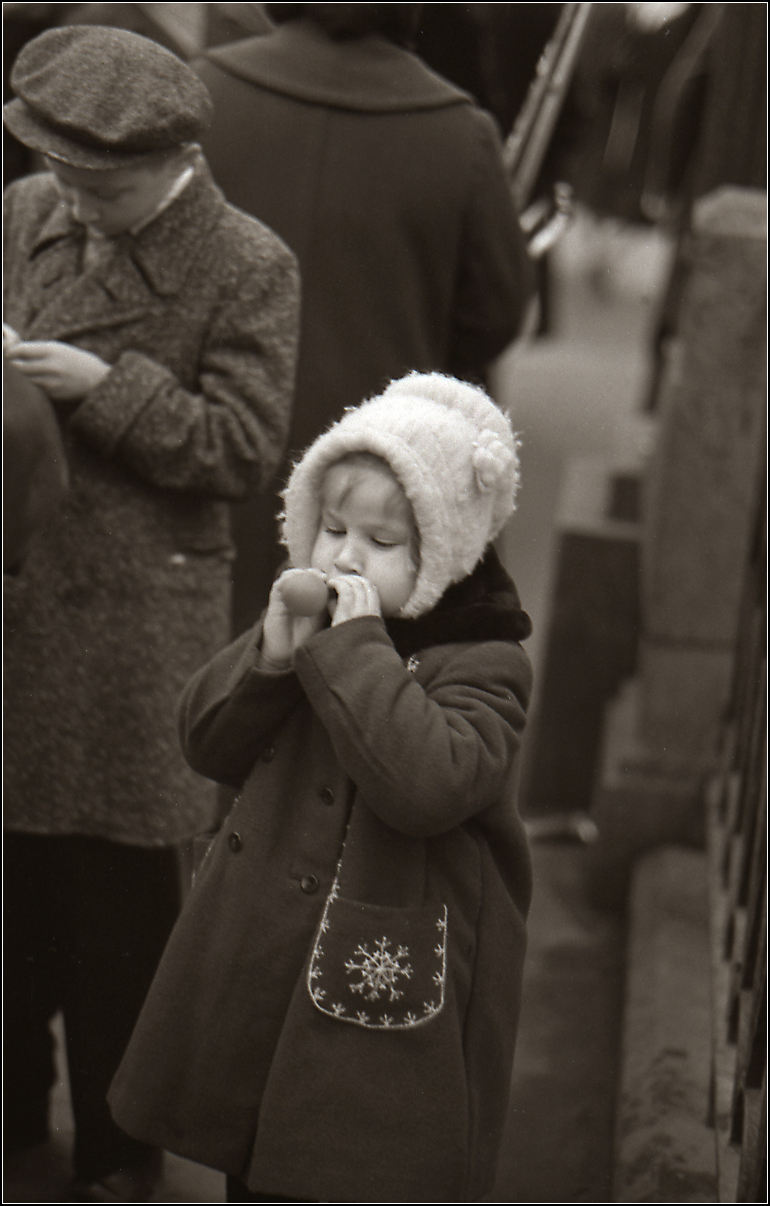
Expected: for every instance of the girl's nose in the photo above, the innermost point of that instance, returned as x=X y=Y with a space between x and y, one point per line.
x=348 y=559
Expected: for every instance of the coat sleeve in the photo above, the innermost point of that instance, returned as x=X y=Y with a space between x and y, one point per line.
x=229 y=711
x=226 y=438
x=495 y=276
x=425 y=757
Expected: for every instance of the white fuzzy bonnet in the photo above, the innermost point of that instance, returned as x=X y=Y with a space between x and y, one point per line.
x=455 y=455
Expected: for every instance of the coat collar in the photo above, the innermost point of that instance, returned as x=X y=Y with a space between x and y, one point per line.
x=164 y=250
x=370 y=74
x=482 y=607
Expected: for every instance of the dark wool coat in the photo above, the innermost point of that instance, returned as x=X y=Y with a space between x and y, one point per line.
x=126 y=592
x=387 y=183
x=347 y=1034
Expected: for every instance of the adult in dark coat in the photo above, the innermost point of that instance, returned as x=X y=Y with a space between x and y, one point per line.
x=387 y=183
x=189 y=315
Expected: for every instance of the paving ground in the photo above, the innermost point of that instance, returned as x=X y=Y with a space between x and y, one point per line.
x=559 y=1134
x=576 y=392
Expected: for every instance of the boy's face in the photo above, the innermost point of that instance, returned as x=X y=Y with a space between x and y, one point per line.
x=367 y=528
x=114 y=200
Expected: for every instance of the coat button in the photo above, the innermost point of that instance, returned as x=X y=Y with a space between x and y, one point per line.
x=327 y=795
x=268 y=753
x=309 y=884
x=235 y=842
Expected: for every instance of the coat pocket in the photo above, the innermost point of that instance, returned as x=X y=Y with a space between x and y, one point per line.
x=377 y=966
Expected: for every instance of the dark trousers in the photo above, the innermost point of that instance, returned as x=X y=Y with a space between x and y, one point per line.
x=86 y=921
x=238 y=1192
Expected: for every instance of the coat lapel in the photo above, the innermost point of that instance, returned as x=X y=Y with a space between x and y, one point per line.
x=75 y=303
x=132 y=284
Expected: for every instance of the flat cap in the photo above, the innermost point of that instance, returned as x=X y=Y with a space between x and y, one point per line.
x=93 y=96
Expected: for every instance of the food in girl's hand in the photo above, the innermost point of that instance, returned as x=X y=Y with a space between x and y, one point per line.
x=304 y=593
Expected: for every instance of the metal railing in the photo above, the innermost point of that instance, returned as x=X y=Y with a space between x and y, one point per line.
x=736 y=804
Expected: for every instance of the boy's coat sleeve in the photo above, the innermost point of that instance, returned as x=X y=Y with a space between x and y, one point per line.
x=227 y=437
x=425 y=755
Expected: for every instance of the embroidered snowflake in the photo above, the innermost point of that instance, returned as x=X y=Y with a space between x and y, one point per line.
x=379 y=969
x=412 y=664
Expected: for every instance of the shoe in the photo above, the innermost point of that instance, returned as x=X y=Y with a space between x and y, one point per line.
x=126 y=1185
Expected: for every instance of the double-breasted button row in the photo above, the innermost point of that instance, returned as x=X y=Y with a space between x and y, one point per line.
x=309 y=884
x=326 y=794
x=235 y=842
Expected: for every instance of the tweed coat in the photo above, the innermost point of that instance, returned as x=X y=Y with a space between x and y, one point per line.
x=358 y=1019
x=126 y=591
x=387 y=183
x=34 y=465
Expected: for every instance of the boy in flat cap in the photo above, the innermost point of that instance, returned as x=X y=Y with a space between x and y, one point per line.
x=162 y=324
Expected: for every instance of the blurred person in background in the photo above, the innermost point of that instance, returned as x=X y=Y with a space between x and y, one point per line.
x=186 y=29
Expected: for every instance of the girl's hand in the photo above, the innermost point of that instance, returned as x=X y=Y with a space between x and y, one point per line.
x=283 y=630
x=356 y=596
x=63 y=371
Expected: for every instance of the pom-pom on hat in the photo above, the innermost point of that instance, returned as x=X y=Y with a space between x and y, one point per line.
x=453 y=452
x=96 y=97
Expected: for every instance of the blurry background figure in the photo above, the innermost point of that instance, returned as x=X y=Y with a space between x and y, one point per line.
x=492 y=51
x=708 y=128
x=388 y=184
x=187 y=29
x=34 y=466
x=626 y=53
x=20 y=23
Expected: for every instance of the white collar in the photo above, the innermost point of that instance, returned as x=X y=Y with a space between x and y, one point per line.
x=176 y=190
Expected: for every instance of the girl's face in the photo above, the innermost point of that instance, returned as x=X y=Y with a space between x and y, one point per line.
x=367 y=528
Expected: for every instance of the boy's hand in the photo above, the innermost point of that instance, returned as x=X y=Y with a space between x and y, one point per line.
x=283 y=631
x=356 y=596
x=10 y=337
x=63 y=371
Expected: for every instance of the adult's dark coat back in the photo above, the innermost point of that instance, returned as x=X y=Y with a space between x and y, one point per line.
x=386 y=182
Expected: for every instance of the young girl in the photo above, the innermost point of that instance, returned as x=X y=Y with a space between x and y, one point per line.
x=335 y=1014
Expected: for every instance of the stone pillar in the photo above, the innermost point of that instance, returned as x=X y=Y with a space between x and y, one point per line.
x=699 y=496
x=700 y=488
